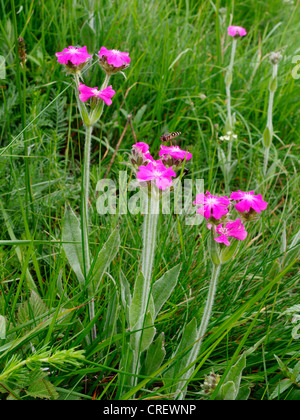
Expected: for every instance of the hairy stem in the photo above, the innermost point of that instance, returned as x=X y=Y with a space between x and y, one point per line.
x=148 y=254
x=228 y=86
x=181 y=390
x=269 y=126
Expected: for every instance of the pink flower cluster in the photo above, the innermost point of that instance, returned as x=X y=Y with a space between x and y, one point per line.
x=216 y=210
x=75 y=58
x=159 y=171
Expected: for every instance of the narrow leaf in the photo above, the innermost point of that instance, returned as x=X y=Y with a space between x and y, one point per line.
x=71 y=236
x=162 y=288
x=280 y=388
x=138 y=305
x=125 y=294
x=104 y=258
x=155 y=355
x=235 y=374
x=228 y=392
x=149 y=332
x=189 y=337
x=267 y=137
x=88 y=37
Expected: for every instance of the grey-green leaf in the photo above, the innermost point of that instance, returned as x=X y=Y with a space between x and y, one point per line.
x=243 y=393
x=155 y=355
x=228 y=392
x=125 y=294
x=162 y=288
x=137 y=303
x=280 y=388
x=72 y=243
x=267 y=137
x=148 y=333
x=236 y=371
x=189 y=338
x=104 y=258
x=88 y=37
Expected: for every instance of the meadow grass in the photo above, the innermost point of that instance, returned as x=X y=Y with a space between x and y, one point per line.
x=180 y=53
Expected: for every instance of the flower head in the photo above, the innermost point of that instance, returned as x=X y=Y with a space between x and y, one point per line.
x=175 y=152
x=140 y=154
x=141 y=147
x=73 y=56
x=245 y=201
x=212 y=206
x=275 y=57
x=113 y=61
x=87 y=93
x=234 y=229
x=158 y=172
x=236 y=31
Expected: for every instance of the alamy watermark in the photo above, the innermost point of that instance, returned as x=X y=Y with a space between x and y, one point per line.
x=131 y=196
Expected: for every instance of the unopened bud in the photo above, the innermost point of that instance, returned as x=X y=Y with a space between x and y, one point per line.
x=210 y=383
x=249 y=216
x=275 y=58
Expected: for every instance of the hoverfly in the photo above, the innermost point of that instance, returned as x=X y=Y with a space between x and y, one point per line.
x=169 y=136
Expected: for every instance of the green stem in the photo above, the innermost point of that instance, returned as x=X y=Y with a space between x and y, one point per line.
x=269 y=127
x=89 y=120
x=209 y=303
x=149 y=240
x=81 y=105
x=148 y=254
x=201 y=330
x=85 y=196
x=98 y=110
x=85 y=219
x=229 y=125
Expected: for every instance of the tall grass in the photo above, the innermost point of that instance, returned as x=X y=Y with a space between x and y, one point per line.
x=180 y=53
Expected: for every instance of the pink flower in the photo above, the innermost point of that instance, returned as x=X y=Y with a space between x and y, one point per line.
x=247 y=201
x=234 y=229
x=157 y=172
x=141 y=147
x=148 y=157
x=175 y=152
x=87 y=93
x=75 y=55
x=236 y=31
x=212 y=206
x=140 y=154
x=114 y=57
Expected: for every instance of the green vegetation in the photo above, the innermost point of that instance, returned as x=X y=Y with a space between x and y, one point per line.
x=176 y=82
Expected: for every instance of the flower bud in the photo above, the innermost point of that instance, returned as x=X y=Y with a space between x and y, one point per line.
x=249 y=216
x=210 y=383
x=275 y=58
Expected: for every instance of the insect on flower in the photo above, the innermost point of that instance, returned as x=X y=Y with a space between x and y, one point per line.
x=170 y=136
